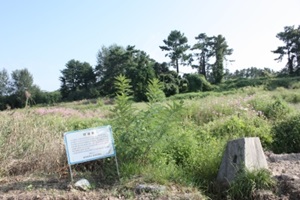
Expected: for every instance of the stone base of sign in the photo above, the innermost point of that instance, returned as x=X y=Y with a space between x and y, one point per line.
x=244 y=152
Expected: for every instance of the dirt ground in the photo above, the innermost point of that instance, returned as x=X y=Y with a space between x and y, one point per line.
x=284 y=167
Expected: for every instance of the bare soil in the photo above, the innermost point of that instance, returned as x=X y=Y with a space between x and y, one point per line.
x=284 y=167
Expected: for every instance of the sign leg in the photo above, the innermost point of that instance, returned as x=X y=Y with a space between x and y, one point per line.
x=117 y=167
x=71 y=174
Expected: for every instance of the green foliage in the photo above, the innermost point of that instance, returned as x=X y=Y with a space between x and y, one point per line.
x=154 y=141
x=221 y=51
x=115 y=60
x=289 y=96
x=272 y=109
x=248 y=182
x=190 y=95
x=177 y=45
x=123 y=108
x=286 y=135
x=290 y=36
x=272 y=84
x=78 y=124
x=21 y=80
x=4 y=82
x=77 y=81
x=154 y=91
x=277 y=110
x=205 y=46
x=172 y=82
x=295 y=85
x=243 y=125
x=251 y=73
x=197 y=83
x=147 y=132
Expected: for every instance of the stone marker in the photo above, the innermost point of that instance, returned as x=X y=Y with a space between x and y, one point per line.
x=244 y=152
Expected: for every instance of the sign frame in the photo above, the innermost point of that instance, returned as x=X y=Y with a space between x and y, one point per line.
x=89 y=144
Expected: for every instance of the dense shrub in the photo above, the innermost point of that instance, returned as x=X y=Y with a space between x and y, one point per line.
x=286 y=82
x=271 y=108
x=243 y=126
x=286 y=135
x=197 y=82
x=291 y=96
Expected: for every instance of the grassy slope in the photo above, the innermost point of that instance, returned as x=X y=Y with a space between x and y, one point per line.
x=184 y=150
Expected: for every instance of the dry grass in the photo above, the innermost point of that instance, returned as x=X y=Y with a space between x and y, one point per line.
x=30 y=142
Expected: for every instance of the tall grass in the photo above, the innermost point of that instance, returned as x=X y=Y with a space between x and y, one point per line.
x=248 y=182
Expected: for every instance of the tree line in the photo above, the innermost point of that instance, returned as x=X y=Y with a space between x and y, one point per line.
x=17 y=90
x=80 y=80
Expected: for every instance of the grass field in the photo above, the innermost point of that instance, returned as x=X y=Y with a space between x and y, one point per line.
x=178 y=141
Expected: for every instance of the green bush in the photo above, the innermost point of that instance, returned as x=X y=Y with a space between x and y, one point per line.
x=286 y=82
x=286 y=135
x=158 y=145
x=247 y=182
x=243 y=126
x=272 y=109
x=197 y=82
x=296 y=85
x=290 y=96
x=277 y=110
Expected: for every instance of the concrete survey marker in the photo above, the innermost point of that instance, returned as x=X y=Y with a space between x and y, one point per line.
x=89 y=144
x=244 y=152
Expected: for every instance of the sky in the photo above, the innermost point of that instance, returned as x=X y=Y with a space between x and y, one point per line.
x=43 y=36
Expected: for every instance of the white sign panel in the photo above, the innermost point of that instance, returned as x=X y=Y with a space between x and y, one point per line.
x=89 y=144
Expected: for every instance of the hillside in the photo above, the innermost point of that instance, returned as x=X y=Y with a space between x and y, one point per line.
x=177 y=142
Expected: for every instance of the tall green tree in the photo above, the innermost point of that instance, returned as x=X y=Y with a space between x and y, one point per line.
x=204 y=51
x=111 y=63
x=21 y=83
x=115 y=60
x=291 y=48
x=22 y=80
x=176 y=45
x=221 y=50
x=4 y=83
x=77 y=80
x=140 y=71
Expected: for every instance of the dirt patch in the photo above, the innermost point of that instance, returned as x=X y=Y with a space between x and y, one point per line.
x=284 y=167
x=20 y=187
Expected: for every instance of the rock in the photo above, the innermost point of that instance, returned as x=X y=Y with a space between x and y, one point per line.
x=284 y=157
x=264 y=195
x=83 y=185
x=143 y=188
x=239 y=153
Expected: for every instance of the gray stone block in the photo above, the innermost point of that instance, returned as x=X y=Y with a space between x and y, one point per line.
x=239 y=153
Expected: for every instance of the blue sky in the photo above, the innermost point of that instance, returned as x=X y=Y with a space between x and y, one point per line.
x=43 y=36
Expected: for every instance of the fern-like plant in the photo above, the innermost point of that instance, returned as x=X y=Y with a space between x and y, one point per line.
x=154 y=91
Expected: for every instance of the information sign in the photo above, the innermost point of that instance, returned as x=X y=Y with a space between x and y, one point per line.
x=89 y=144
